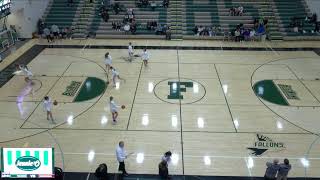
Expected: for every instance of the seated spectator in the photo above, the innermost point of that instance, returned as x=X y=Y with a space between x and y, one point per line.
x=116 y=8
x=102 y=172
x=105 y=15
x=69 y=2
x=232 y=12
x=237 y=34
x=163 y=170
x=144 y=3
x=126 y=28
x=133 y=27
x=55 y=31
x=125 y=19
x=252 y=34
x=240 y=11
x=168 y=33
x=246 y=34
x=153 y=5
x=114 y=25
x=165 y=3
x=47 y=34
x=195 y=30
x=63 y=33
x=40 y=26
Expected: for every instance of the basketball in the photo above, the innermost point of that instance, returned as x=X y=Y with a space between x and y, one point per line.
x=55 y=102
x=123 y=107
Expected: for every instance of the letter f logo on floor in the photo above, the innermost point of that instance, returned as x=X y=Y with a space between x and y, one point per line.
x=177 y=87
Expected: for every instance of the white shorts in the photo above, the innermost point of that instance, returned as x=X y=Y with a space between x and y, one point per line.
x=113 y=110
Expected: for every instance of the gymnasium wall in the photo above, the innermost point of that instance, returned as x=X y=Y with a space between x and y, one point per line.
x=25 y=15
x=314 y=6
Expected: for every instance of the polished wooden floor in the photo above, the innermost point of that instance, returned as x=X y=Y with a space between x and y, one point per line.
x=209 y=130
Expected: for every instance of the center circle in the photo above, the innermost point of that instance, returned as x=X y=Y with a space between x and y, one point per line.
x=176 y=91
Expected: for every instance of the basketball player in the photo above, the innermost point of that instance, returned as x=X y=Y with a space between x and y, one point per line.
x=130 y=51
x=145 y=57
x=114 y=75
x=114 y=110
x=108 y=61
x=28 y=74
x=47 y=105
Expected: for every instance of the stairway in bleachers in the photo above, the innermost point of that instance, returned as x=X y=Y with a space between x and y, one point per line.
x=176 y=19
x=84 y=19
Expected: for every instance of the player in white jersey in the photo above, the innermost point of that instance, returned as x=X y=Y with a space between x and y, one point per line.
x=108 y=61
x=130 y=51
x=47 y=105
x=28 y=74
x=145 y=57
x=114 y=76
x=113 y=109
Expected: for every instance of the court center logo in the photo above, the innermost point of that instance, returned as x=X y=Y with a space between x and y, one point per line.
x=264 y=144
x=175 y=91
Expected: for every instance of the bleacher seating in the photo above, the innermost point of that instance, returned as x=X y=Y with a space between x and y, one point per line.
x=185 y=15
x=60 y=14
x=287 y=9
x=142 y=15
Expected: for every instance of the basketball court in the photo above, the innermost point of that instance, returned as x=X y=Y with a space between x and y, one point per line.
x=222 y=112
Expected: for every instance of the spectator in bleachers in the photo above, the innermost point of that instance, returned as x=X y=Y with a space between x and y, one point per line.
x=69 y=2
x=40 y=26
x=144 y=3
x=63 y=33
x=47 y=34
x=195 y=30
x=237 y=35
x=55 y=30
x=133 y=27
x=105 y=15
x=153 y=5
x=151 y=25
x=168 y=33
x=116 y=8
x=252 y=34
x=232 y=11
x=240 y=10
x=126 y=28
x=165 y=3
